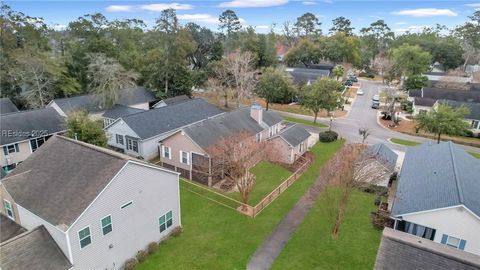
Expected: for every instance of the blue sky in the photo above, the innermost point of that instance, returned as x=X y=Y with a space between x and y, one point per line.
x=399 y=15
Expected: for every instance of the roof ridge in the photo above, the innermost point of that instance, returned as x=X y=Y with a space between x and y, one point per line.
x=97 y=148
x=26 y=111
x=160 y=108
x=455 y=173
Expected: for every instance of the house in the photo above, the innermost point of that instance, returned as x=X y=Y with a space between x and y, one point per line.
x=7 y=106
x=171 y=101
x=188 y=150
x=440 y=75
x=383 y=163
x=399 y=251
x=138 y=134
x=99 y=206
x=437 y=198
x=24 y=131
x=118 y=111
x=473 y=117
x=139 y=98
x=443 y=93
x=307 y=76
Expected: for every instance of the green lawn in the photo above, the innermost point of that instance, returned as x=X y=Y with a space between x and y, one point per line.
x=302 y=121
x=268 y=177
x=215 y=237
x=404 y=142
x=312 y=246
x=477 y=155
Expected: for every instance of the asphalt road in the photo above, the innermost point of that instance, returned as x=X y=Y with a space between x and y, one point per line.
x=361 y=115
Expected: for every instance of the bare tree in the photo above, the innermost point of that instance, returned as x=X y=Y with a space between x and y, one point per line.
x=222 y=81
x=364 y=132
x=390 y=101
x=241 y=67
x=289 y=33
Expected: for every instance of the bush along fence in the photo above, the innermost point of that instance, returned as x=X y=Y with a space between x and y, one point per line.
x=248 y=210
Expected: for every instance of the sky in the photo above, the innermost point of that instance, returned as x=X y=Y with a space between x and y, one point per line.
x=401 y=16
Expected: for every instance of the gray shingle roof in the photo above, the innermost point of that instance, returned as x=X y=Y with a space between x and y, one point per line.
x=9 y=228
x=34 y=249
x=303 y=75
x=383 y=154
x=176 y=100
x=294 y=135
x=270 y=118
x=90 y=103
x=24 y=125
x=208 y=132
x=59 y=180
x=169 y=118
x=473 y=107
x=435 y=176
x=450 y=94
x=7 y=106
x=427 y=102
x=118 y=111
x=399 y=251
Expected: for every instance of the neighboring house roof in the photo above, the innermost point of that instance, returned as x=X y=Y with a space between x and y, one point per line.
x=91 y=103
x=176 y=100
x=59 y=180
x=9 y=228
x=118 y=111
x=473 y=107
x=294 y=135
x=34 y=249
x=436 y=176
x=165 y=119
x=443 y=93
x=305 y=75
x=426 y=102
x=383 y=154
x=30 y=124
x=271 y=118
x=7 y=106
x=399 y=250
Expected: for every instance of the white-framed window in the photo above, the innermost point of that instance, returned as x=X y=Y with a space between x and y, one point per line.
x=10 y=149
x=84 y=237
x=35 y=143
x=132 y=145
x=165 y=221
x=166 y=152
x=106 y=223
x=454 y=242
x=9 y=209
x=258 y=137
x=119 y=139
x=107 y=121
x=184 y=158
x=475 y=124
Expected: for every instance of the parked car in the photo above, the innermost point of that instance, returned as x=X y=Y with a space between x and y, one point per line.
x=375 y=105
x=353 y=78
x=360 y=92
x=348 y=83
x=376 y=98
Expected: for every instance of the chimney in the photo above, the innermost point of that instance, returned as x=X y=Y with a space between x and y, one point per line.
x=256 y=112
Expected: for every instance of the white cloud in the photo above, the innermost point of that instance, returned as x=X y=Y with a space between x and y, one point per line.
x=309 y=3
x=160 y=7
x=253 y=3
x=262 y=27
x=119 y=8
x=59 y=27
x=426 y=12
x=473 y=5
x=205 y=18
x=411 y=29
x=400 y=23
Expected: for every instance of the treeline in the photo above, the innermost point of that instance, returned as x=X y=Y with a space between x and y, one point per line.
x=94 y=54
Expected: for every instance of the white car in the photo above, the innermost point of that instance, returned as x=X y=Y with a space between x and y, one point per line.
x=376 y=98
x=360 y=92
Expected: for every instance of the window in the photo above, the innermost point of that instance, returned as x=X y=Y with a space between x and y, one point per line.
x=475 y=124
x=84 y=237
x=35 y=143
x=453 y=242
x=415 y=229
x=132 y=145
x=107 y=121
x=106 y=224
x=9 y=149
x=8 y=209
x=184 y=157
x=10 y=167
x=165 y=221
x=119 y=139
x=166 y=152
x=126 y=205
x=258 y=136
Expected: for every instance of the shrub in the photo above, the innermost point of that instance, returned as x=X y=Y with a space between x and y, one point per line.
x=152 y=247
x=142 y=255
x=367 y=74
x=328 y=136
x=386 y=116
x=468 y=133
x=378 y=200
x=176 y=231
x=130 y=264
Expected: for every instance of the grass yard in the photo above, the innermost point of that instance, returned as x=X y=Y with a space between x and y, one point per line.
x=303 y=121
x=312 y=246
x=476 y=155
x=268 y=177
x=215 y=237
x=404 y=142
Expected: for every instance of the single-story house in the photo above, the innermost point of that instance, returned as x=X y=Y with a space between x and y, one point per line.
x=139 y=98
x=440 y=75
x=399 y=251
x=443 y=93
x=138 y=134
x=304 y=75
x=422 y=105
x=473 y=118
x=189 y=149
x=24 y=131
x=437 y=198
x=99 y=206
x=7 y=106
x=171 y=101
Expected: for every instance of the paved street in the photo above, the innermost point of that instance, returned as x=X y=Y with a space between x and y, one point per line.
x=362 y=115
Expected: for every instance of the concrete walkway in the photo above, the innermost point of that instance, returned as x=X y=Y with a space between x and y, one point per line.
x=278 y=238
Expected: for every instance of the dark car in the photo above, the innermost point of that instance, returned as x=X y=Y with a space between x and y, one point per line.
x=348 y=83
x=353 y=78
x=375 y=105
